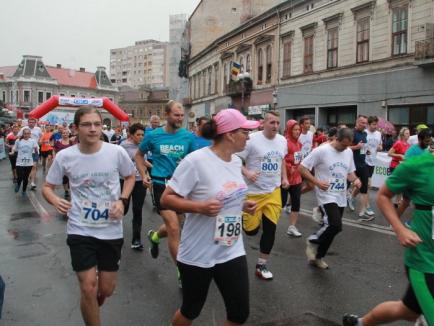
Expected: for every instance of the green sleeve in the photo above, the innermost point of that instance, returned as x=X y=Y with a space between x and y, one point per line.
x=400 y=179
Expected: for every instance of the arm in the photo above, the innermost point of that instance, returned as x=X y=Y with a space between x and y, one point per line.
x=357 y=147
x=171 y=200
x=141 y=167
x=305 y=173
x=406 y=237
x=118 y=209
x=392 y=153
x=285 y=183
x=250 y=175
x=352 y=177
x=61 y=205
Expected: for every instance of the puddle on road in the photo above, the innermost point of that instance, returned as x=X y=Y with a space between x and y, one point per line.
x=23 y=235
x=29 y=250
x=305 y=319
x=23 y=216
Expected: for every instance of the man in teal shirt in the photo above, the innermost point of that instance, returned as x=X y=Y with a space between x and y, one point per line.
x=424 y=141
x=168 y=145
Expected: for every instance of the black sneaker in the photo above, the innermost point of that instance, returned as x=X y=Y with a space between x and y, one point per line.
x=137 y=245
x=350 y=320
x=154 y=245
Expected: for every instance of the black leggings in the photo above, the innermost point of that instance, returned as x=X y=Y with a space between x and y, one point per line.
x=138 y=195
x=268 y=235
x=295 y=193
x=23 y=173
x=232 y=281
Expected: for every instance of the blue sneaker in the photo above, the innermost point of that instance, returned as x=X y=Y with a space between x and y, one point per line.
x=23 y=194
x=17 y=188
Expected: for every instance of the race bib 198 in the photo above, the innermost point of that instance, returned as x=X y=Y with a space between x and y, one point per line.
x=227 y=229
x=337 y=185
x=270 y=166
x=95 y=214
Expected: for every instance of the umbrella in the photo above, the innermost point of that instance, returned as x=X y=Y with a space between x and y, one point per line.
x=385 y=126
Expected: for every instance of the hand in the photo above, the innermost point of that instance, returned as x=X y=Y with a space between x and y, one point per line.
x=408 y=238
x=210 y=207
x=357 y=183
x=147 y=182
x=251 y=175
x=359 y=145
x=285 y=184
x=323 y=185
x=62 y=205
x=249 y=207
x=117 y=210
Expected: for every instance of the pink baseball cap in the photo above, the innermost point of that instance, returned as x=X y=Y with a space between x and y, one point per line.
x=231 y=119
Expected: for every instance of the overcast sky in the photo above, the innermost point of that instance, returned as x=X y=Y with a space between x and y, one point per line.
x=80 y=33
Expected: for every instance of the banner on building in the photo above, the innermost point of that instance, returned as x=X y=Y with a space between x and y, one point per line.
x=2 y=149
x=235 y=69
x=381 y=170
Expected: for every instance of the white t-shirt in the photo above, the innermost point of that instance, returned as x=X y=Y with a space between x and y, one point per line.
x=25 y=150
x=332 y=166
x=109 y=134
x=264 y=156
x=413 y=140
x=202 y=175
x=374 y=139
x=306 y=141
x=94 y=182
x=36 y=132
x=131 y=149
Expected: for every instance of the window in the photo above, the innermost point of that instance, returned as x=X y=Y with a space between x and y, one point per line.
x=61 y=94
x=4 y=97
x=308 y=54
x=216 y=78
x=199 y=91
x=225 y=74
x=269 y=65
x=411 y=116
x=248 y=63
x=260 y=66
x=399 y=30
x=363 y=40
x=332 y=48
x=204 y=92
x=26 y=98
x=47 y=95
x=11 y=99
x=241 y=64
x=40 y=97
x=286 y=58
x=72 y=95
x=16 y=97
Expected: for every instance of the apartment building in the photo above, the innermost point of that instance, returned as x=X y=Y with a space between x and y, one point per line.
x=143 y=64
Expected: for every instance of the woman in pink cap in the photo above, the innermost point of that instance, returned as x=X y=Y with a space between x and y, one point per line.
x=208 y=186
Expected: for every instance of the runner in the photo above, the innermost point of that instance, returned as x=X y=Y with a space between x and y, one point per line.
x=94 y=227
x=333 y=164
x=36 y=134
x=155 y=123
x=413 y=140
x=59 y=145
x=46 y=148
x=10 y=141
x=25 y=147
x=131 y=145
x=292 y=161
x=168 y=145
x=211 y=245
x=399 y=148
x=264 y=174
x=414 y=177
x=117 y=137
x=306 y=136
x=424 y=142
x=199 y=140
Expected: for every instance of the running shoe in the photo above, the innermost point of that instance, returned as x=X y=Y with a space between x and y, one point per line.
x=137 y=245
x=288 y=209
x=320 y=263
x=32 y=186
x=293 y=231
x=17 y=188
x=311 y=250
x=365 y=217
x=154 y=245
x=421 y=321
x=317 y=215
x=350 y=320
x=263 y=273
x=369 y=211
x=352 y=204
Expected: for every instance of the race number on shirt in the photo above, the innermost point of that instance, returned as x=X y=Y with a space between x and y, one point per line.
x=227 y=229
x=95 y=214
x=270 y=166
x=298 y=156
x=336 y=185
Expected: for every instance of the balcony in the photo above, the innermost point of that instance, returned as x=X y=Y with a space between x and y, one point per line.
x=424 y=53
x=239 y=87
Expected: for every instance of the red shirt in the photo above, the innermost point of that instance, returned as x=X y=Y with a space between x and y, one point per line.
x=400 y=147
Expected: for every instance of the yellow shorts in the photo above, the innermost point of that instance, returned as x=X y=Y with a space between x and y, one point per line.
x=269 y=205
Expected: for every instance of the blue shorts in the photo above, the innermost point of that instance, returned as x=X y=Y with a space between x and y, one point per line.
x=35 y=157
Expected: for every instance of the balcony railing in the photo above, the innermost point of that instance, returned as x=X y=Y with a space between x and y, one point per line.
x=424 y=49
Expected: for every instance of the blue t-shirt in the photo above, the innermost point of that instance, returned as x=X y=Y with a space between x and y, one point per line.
x=359 y=155
x=200 y=142
x=414 y=150
x=167 y=151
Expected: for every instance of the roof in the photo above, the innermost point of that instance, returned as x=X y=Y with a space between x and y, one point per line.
x=71 y=77
x=8 y=71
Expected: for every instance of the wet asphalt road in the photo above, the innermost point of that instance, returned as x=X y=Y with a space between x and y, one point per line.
x=365 y=260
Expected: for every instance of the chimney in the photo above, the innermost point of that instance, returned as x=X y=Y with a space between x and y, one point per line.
x=58 y=65
x=82 y=69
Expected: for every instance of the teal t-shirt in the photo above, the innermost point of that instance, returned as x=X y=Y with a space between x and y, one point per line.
x=415 y=177
x=414 y=150
x=167 y=149
x=200 y=142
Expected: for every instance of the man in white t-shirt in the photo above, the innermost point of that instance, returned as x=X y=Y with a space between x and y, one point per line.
x=306 y=136
x=36 y=134
x=413 y=140
x=374 y=145
x=334 y=165
x=265 y=172
x=95 y=234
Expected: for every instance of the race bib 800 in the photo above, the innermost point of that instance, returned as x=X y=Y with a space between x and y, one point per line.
x=270 y=166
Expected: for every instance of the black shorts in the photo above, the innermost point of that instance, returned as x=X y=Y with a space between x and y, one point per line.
x=370 y=170
x=45 y=154
x=362 y=174
x=425 y=284
x=232 y=281
x=158 y=189
x=13 y=160
x=88 y=252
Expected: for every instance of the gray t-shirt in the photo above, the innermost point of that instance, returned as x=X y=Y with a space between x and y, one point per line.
x=131 y=149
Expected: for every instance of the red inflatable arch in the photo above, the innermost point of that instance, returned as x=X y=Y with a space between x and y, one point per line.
x=56 y=101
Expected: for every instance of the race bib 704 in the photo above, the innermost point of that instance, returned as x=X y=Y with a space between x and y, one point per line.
x=95 y=214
